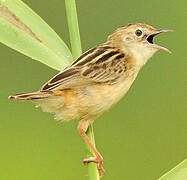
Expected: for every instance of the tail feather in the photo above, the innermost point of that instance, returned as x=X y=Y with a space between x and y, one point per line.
x=30 y=96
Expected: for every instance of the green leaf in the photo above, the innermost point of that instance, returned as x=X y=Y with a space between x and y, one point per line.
x=177 y=173
x=25 y=31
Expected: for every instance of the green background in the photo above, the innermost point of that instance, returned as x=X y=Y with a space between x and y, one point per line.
x=141 y=138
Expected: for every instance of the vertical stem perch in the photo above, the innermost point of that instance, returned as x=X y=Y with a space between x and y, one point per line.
x=92 y=168
x=73 y=25
x=71 y=12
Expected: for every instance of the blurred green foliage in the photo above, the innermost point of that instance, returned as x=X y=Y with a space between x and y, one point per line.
x=141 y=138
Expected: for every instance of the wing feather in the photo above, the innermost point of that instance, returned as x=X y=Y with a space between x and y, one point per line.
x=103 y=64
x=105 y=72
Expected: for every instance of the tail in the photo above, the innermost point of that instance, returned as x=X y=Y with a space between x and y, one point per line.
x=30 y=96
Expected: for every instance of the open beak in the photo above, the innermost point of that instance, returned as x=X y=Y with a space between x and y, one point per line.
x=150 y=39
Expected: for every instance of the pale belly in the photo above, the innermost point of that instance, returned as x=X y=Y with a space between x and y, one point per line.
x=86 y=102
x=94 y=100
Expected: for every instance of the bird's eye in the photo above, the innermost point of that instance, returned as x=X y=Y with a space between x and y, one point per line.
x=138 y=32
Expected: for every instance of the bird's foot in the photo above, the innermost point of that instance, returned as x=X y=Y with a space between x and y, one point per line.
x=98 y=160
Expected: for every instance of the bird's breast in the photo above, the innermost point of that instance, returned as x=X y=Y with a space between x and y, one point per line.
x=95 y=99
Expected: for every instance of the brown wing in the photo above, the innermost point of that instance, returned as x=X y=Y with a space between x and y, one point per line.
x=103 y=64
x=63 y=78
x=108 y=70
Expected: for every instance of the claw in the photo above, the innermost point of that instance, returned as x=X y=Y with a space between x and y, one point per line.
x=98 y=161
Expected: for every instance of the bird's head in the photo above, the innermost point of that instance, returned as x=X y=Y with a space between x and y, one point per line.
x=138 y=39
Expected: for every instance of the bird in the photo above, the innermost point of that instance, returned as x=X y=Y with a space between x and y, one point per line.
x=97 y=80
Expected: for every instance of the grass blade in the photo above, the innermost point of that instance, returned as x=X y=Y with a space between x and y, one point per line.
x=177 y=173
x=23 y=30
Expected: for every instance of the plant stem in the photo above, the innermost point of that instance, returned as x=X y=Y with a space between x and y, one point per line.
x=92 y=168
x=73 y=25
x=71 y=12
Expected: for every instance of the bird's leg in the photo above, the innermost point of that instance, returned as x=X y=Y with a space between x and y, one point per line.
x=97 y=158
